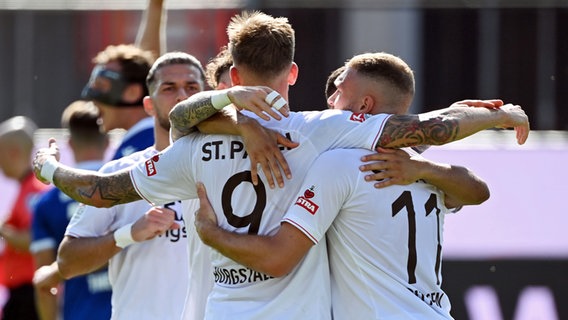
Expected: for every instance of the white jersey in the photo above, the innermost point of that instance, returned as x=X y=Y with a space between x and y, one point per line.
x=200 y=269
x=149 y=279
x=221 y=163
x=384 y=244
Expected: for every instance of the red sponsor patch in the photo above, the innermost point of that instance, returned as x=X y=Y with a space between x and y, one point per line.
x=357 y=117
x=307 y=204
x=309 y=193
x=150 y=167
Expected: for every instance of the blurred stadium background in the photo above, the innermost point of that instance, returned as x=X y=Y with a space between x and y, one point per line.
x=505 y=259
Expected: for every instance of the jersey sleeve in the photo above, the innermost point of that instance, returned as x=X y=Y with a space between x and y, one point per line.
x=166 y=177
x=88 y=221
x=321 y=197
x=342 y=129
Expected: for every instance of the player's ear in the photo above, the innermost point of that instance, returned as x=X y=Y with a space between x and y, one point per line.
x=367 y=104
x=149 y=106
x=293 y=74
x=235 y=76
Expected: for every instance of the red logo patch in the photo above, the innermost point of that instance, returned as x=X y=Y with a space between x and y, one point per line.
x=307 y=204
x=357 y=117
x=311 y=207
x=309 y=193
x=151 y=167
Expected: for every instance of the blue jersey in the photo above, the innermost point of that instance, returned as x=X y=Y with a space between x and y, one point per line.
x=85 y=297
x=137 y=138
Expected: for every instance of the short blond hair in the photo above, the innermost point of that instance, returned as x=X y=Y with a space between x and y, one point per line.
x=263 y=44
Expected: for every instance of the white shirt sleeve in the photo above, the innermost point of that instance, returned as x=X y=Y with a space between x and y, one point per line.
x=88 y=221
x=323 y=192
x=166 y=177
x=349 y=130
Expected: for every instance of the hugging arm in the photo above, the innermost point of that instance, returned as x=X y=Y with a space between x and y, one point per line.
x=254 y=251
x=451 y=124
x=96 y=189
x=201 y=106
x=261 y=144
x=396 y=167
x=85 y=186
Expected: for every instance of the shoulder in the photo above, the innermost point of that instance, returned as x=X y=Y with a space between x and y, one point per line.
x=340 y=161
x=128 y=160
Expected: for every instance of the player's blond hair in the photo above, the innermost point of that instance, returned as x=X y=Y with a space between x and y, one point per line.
x=263 y=44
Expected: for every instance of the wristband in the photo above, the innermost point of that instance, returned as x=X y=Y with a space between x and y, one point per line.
x=220 y=100
x=123 y=236
x=48 y=169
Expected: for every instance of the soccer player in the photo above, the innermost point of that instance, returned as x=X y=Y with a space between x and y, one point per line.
x=367 y=236
x=118 y=81
x=243 y=200
x=16 y=145
x=152 y=264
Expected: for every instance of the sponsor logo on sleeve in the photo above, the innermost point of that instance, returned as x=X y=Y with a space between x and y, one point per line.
x=305 y=202
x=151 y=166
x=357 y=117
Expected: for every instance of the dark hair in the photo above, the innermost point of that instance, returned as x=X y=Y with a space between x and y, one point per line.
x=330 y=87
x=83 y=121
x=176 y=57
x=134 y=62
x=217 y=66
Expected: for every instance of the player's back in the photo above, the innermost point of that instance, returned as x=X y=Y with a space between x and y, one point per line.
x=385 y=242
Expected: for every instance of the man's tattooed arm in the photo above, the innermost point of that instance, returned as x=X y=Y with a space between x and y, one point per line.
x=190 y=112
x=95 y=189
x=451 y=124
x=408 y=130
x=201 y=106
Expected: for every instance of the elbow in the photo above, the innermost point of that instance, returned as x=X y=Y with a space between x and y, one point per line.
x=65 y=271
x=65 y=259
x=277 y=267
x=483 y=195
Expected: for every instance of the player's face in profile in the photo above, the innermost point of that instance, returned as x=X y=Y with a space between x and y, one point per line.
x=346 y=95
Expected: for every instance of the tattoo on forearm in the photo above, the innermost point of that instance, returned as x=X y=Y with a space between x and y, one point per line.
x=106 y=190
x=187 y=115
x=404 y=131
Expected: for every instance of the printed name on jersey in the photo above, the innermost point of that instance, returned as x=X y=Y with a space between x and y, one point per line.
x=150 y=166
x=357 y=117
x=174 y=235
x=432 y=298
x=234 y=149
x=305 y=202
x=230 y=276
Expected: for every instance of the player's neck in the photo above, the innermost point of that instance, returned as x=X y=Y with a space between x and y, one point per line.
x=161 y=137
